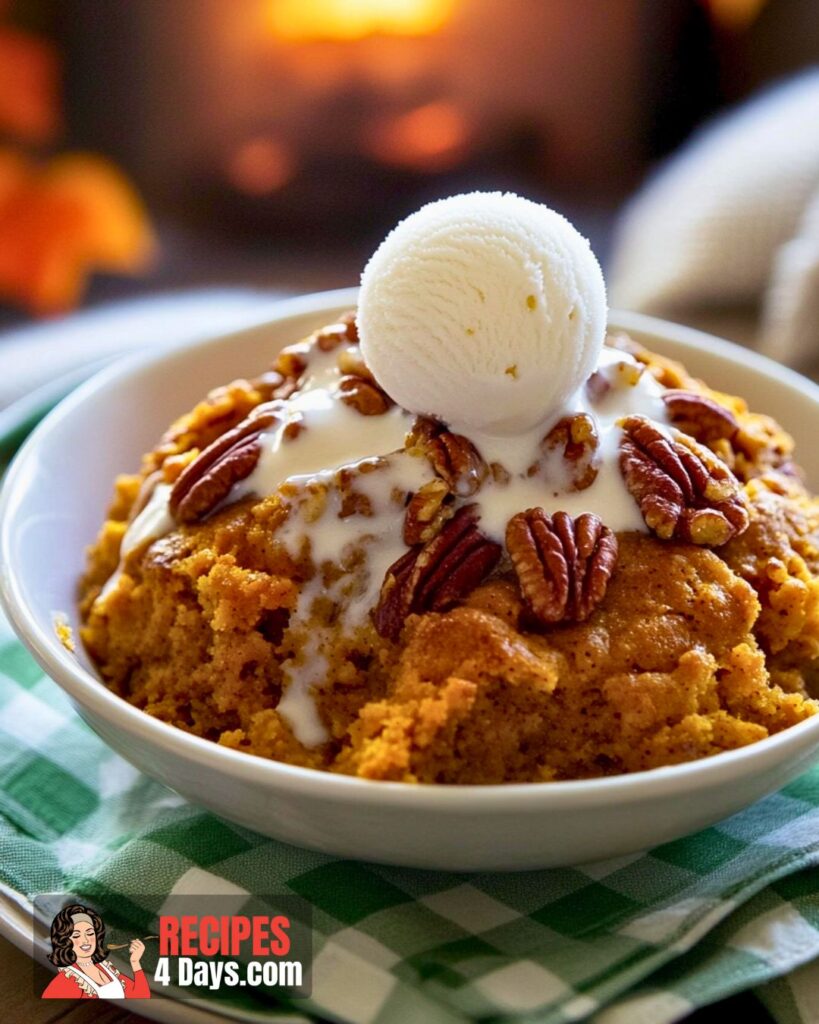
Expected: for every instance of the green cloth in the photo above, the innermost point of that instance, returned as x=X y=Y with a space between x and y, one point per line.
x=646 y=937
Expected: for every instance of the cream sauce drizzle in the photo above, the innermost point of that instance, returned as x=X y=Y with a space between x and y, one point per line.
x=333 y=436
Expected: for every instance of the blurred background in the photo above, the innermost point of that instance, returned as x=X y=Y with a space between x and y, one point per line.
x=272 y=143
x=246 y=149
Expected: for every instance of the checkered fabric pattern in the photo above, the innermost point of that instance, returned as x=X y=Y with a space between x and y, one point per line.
x=644 y=938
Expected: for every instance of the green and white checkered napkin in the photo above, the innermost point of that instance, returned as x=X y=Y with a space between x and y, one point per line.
x=641 y=939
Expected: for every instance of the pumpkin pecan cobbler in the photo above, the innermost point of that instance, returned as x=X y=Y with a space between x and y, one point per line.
x=601 y=569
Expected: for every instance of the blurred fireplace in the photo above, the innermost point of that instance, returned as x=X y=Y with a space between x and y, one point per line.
x=301 y=114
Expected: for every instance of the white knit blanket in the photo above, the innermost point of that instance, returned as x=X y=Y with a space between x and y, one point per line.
x=733 y=218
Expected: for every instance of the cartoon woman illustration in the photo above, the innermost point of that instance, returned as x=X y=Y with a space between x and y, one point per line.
x=78 y=949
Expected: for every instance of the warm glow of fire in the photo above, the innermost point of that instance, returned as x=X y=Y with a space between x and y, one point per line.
x=261 y=166
x=735 y=14
x=301 y=20
x=430 y=138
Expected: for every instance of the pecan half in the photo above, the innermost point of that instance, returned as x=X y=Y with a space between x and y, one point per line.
x=271 y=384
x=563 y=565
x=699 y=416
x=333 y=335
x=350 y=361
x=576 y=436
x=427 y=511
x=437 y=575
x=209 y=478
x=292 y=361
x=363 y=395
x=684 y=491
x=453 y=457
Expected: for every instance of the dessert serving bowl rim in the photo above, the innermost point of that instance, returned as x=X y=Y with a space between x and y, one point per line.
x=87 y=691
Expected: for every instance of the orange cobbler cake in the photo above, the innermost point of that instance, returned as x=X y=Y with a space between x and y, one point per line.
x=465 y=536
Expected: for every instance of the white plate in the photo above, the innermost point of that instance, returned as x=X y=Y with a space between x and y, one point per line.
x=51 y=508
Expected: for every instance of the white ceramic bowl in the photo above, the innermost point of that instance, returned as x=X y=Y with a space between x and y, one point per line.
x=53 y=501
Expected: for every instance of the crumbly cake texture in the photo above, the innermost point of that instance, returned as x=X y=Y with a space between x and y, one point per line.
x=691 y=652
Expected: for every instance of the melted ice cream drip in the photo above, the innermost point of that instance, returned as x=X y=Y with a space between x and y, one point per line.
x=352 y=552
x=377 y=537
x=368 y=544
x=630 y=392
x=155 y=520
x=332 y=434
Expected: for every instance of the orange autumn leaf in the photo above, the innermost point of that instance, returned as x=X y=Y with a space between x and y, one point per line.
x=29 y=71
x=62 y=220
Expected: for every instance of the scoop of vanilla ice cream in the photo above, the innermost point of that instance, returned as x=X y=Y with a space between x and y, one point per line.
x=485 y=310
